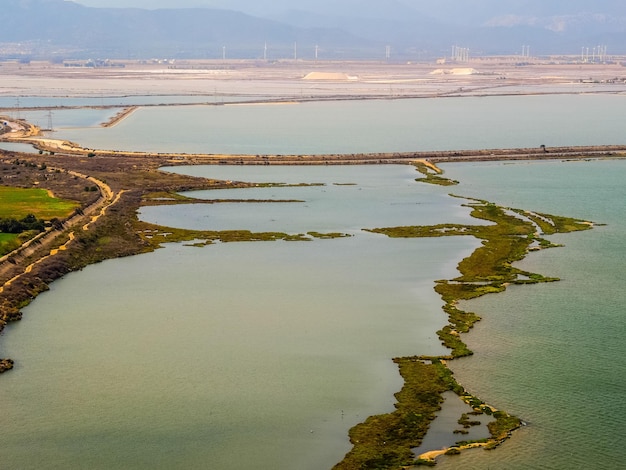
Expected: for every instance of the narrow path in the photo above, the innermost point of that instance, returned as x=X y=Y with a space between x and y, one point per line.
x=107 y=199
x=31 y=134
x=120 y=116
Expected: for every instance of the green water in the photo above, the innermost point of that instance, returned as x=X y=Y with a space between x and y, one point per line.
x=553 y=354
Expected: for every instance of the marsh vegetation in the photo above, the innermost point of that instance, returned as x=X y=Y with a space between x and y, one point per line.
x=382 y=441
x=386 y=441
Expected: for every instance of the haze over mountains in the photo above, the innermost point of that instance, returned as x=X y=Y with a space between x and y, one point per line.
x=332 y=29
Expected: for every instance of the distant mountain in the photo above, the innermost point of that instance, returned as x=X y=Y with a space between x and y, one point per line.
x=480 y=12
x=66 y=28
x=484 y=26
x=414 y=29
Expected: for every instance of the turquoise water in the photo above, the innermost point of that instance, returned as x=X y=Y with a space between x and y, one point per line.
x=368 y=126
x=553 y=354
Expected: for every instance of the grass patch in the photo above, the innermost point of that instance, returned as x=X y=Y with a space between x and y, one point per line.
x=156 y=235
x=9 y=242
x=432 y=175
x=328 y=235
x=163 y=198
x=286 y=185
x=489 y=268
x=19 y=202
x=385 y=441
x=501 y=428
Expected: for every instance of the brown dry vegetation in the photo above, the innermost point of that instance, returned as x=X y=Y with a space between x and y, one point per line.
x=113 y=235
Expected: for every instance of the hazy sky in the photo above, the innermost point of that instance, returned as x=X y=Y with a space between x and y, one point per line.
x=145 y=3
x=266 y=8
x=463 y=11
x=229 y=4
x=441 y=6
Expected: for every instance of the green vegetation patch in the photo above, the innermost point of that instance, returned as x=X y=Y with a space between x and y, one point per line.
x=386 y=441
x=156 y=235
x=328 y=235
x=286 y=185
x=170 y=198
x=489 y=268
x=17 y=203
x=432 y=175
x=14 y=233
x=8 y=242
x=501 y=428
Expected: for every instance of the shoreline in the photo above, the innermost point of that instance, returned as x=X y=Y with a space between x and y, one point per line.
x=153 y=161
x=119 y=117
x=31 y=134
x=138 y=172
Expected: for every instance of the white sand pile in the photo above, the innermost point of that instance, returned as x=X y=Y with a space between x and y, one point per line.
x=336 y=76
x=455 y=71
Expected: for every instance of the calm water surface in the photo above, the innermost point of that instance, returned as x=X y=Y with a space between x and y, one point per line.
x=254 y=355
x=368 y=126
x=262 y=355
x=91 y=112
x=553 y=354
x=347 y=200
x=17 y=147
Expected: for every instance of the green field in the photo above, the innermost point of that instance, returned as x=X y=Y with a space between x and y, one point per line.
x=17 y=203
x=8 y=242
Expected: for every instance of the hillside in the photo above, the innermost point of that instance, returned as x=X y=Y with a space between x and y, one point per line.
x=413 y=30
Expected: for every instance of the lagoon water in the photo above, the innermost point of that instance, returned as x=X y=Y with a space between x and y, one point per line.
x=242 y=355
x=553 y=354
x=264 y=354
x=17 y=147
x=367 y=126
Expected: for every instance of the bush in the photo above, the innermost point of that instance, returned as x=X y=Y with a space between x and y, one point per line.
x=30 y=222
